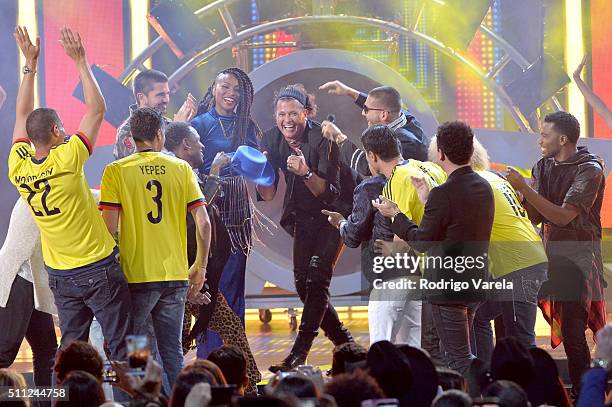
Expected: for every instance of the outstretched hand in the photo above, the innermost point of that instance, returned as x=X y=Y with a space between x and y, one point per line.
x=73 y=46
x=580 y=67
x=29 y=50
x=338 y=88
x=334 y=218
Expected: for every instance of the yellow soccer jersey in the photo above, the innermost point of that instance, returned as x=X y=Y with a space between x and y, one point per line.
x=154 y=192
x=400 y=190
x=72 y=231
x=515 y=245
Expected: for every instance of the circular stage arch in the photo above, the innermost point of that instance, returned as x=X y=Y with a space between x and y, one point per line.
x=271 y=258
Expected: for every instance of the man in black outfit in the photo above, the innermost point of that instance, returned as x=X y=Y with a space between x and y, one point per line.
x=566 y=197
x=456 y=226
x=309 y=163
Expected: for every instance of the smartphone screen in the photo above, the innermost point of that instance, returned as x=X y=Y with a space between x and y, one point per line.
x=108 y=374
x=138 y=352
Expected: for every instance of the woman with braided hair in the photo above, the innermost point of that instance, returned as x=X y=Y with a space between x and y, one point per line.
x=224 y=123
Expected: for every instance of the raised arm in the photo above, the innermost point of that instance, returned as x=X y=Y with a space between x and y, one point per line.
x=95 y=107
x=25 y=96
x=591 y=97
x=340 y=89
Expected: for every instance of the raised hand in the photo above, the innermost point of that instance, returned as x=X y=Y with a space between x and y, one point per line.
x=220 y=161
x=422 y=188
x=331 y=132
x=199 y=395
x=29 y=50
x=187 y=110
x=73 y=46
x=515 y=179
x=297 y=163
x=580 y=67
x=339 y=88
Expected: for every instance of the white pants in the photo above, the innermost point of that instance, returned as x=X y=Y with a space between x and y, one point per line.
x=397 y=320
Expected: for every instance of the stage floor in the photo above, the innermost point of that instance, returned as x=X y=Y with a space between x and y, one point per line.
x=271 y=342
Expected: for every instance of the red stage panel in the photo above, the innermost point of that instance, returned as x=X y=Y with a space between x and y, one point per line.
x=601 y=43
x=100 y=24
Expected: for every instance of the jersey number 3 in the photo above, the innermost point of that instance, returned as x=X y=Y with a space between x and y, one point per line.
x=37 y=185
x=157 y=199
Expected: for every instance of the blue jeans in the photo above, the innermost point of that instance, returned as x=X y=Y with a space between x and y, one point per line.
x=166 y=308
x=518 y=313
x=101 y=291
x=231 y=285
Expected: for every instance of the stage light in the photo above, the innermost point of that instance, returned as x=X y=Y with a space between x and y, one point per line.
x=458 y=21
x=139 y=28
x=180 y=28
x=118 y=97
x=538 y=83
x=26 y=16
x=574 y=51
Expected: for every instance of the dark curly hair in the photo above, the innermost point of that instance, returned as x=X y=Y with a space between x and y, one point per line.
x=456 y=141
x=232 y=362
x=346 y=354
x=243 y=109
x=188 y=378
x=380 y=140
x=350 y=389
x=79 y=355
x=83 y=390
x=565 y=123
x=144 y=124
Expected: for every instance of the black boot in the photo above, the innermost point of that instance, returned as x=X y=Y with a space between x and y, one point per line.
x=341 y=336
x=298 y=353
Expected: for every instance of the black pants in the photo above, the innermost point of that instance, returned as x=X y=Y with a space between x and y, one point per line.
x=316 y=247
x=573 y=326
x=20 y=320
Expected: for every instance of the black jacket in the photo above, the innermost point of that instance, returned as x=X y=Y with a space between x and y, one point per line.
x=412 y=140
x=574 y=250
x=456 y=225
x=321 y=156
